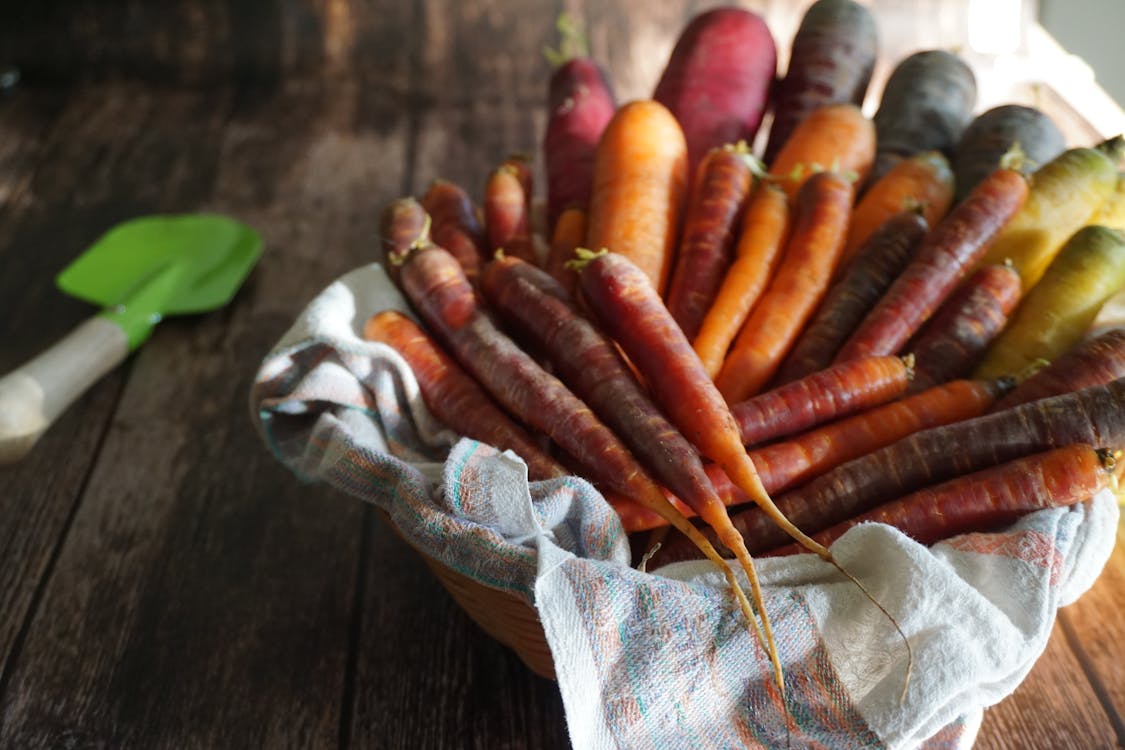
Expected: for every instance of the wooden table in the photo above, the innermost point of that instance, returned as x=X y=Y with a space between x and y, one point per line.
x=164 y=582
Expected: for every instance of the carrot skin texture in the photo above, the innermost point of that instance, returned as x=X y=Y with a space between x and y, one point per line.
x=955 y=338
x=580 y=104
x=837 y=137
x=707 y=246
x=763 y=234
x=926 y=105
x=833 y=393
x=985 y=499
x=454 y=397
x=1094 y=361
x=830 y=62
x=718 y=78
x=439 y=291
x=402 y=224
x=640 y=182
x=1095 y=416
x=924 y=180
x=992 y=134
x=569 y=233
x=506 y=217
x=454 y=224
x=1057 y=312
x=820 y=222
x=858 y=287
x=945 y=256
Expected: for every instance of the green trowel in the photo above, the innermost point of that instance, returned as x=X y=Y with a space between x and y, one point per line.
x=139 y=272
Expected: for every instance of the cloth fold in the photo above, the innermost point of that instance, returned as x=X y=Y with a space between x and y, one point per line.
x=663 y=659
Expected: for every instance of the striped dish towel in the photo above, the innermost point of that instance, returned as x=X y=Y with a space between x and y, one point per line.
x=664 y=659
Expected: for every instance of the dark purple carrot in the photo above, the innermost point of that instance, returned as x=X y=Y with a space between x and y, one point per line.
x=1094 y=415
x=579 y=106
x=1093 y=361
x=990 y=498
x=718 y=78
x=507 y=219
x=860 y=285
x=834 y=393
x=454 y=224
x=830 y=62
x=404 y=224
x=948 y=252
x=992 y=134
x=722 y=187
x=454 y=397
x=926 y=104
x=954 y=339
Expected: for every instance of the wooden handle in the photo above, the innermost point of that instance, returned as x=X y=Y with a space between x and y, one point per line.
x=32 y=396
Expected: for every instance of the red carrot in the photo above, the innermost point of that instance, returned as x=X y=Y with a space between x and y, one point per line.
x=837 y=392
x=718 y=78
x=858 y=287
x=455 y=226
x=1093 y=415
x=1094 y=361
x=705 y=253
x=947 y=253
x=403 y=224
x=954 y=339
x=989 y=498
x=579 y=106
x=454 y=397
x=819 y=225
x=830 y=62
x=506 y=217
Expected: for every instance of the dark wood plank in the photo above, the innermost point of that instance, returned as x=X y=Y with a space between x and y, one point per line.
x=1054 y=708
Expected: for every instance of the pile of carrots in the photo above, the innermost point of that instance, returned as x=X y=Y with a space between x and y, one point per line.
x=885 y=320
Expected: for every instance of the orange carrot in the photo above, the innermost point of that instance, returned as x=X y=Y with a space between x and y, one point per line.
x=722 y=184
x=506 y=216
x=836 y=137
x=569 y=233
x=949 y=251
x=764 y=231
x=454 y=397
x=989 y=498
x=924 y=180
x=820 y=221
x=640 y=183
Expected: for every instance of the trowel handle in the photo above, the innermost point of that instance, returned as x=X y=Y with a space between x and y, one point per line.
x=32 y=396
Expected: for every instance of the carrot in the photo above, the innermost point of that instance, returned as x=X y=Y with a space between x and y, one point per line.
x=640 y=181
x=859 y=286
x=1093 y=361
x=946 y=254
x=706 y=248
x=1064 y=194
x=926 y=104
x=718 y=78
x=1093 y=415
x=925 y=181
x=506 y=217
x=1055 y=314
x=819 y=222
x=1111 y=213
x=989 y=498
x=763 y=234
x=830 y=62
x=455 y=226
x=839 y=391
x=569 y=233
x=528 y=299
x=579 y=105
x=454 y=397
x=955 y=338
x=836 y=137
x=403 y=223
x=992 y=134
